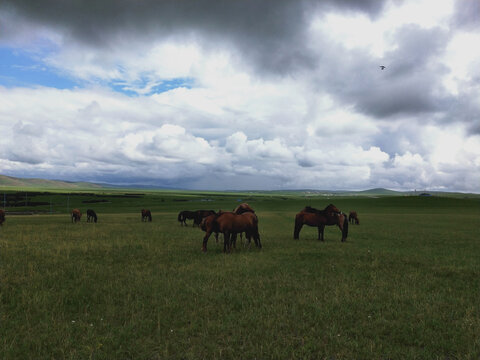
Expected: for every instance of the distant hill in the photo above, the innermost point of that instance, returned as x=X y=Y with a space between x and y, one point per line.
x=379 y=191
x=8 y=181
x=14 y=183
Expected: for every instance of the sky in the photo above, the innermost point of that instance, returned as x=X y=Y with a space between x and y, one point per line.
x=242 y=95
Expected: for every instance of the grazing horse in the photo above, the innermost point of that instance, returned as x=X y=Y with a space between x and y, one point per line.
x=2 y=217
x=146 y=215
x=184 y=215
x=230 y=224
x=91 y=216
x=320 y=218
x=242 y=208
x=353 y=218
x=76 y=215
x=200 y=214
x=206 y=223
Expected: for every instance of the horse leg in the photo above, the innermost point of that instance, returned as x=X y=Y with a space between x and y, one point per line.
x=233 y=240
x=226 y=240
x=340 y=226
x=205 y=240
x=344 y=229
x=321 y=230
x=248 y=239
x=296 y=232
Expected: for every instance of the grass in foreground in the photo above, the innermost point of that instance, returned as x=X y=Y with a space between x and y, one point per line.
x=405 y=285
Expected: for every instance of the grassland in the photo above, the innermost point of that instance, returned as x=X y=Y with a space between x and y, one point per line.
x=404 y=286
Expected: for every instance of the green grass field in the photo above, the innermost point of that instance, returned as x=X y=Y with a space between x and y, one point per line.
x=406 y=284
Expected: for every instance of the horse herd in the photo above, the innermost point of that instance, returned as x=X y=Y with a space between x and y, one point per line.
x=77 y=215
x=243 y=220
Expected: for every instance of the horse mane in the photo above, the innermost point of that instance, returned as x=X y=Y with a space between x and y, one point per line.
x=327 y=209
x=331 y=207
x=312 y=210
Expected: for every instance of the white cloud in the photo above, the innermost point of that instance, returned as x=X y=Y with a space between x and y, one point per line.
x=463 y=60
x=288 y=105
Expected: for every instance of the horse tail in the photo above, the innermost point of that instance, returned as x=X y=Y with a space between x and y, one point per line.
x=179 y=218
x=298 y=226
x=345 y=227
x=257 y=234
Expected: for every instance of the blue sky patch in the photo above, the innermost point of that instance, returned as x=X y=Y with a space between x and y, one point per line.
x=171 y=84
x=141 y=86
x=22 y=69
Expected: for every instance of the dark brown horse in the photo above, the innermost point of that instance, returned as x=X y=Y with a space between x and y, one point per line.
x=353 y=218
x=2 y=217
x=146 y=215
x=76 y=215
x=320 y=218
x=184 y=215
x=91 y=216
x=230 y=224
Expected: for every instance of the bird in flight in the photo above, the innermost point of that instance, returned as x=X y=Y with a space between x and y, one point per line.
x=382 y=67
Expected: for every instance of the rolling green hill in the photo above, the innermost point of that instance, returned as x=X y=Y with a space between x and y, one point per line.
x=13 y=182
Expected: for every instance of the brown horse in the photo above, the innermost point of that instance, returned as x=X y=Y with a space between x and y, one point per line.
x=242 y=208
x=230 y=224
x=200 y=214
x=146 y=215
x=206 y=223
x=320 y=218
x=353 y=218
x=2 y=217
x=76 y=215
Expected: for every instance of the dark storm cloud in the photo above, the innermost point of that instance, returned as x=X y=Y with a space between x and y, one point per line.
x=466 y=108
x=266 y=32
x=467 y=14
x=410 y=84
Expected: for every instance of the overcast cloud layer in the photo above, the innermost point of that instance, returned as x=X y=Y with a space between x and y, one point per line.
x=205 y=94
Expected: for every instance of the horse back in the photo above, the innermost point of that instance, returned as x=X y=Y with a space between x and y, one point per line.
x=243 y=208
x=310 y=218
x=230 y=222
